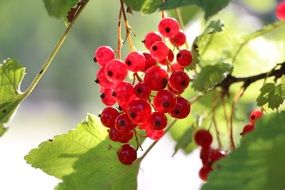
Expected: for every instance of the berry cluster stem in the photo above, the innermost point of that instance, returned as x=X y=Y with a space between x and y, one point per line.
x=180 y=20
x=119 y=35
x=127 y=27
x=214 y=106
x=54 y=52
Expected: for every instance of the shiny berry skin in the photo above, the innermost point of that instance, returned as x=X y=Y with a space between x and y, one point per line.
x=123 y=124
x=168 y=59
x=107 y=98
x=179 y=39
x=114 y=135
x=204 y=172
x=179 y=80
x=159 y=51
x=151 y=38
x=103 y=55
x=135 y=61
x=102 y=80
x=156 y=78
x=280 y=11
x=158 y=121
x=127 y=154
x=168 y=27
x=181 y=109
x=116 y=70
x=247 y=129
x=177 y=67
x=154 y=134
x=142 y=90
x=108 y=117
x=139 y=111
x=216 y=155
x=124 y=92
x=203 y=138
x=164 y=101
x=255 y=115
x=184 y=57
x=149 y=61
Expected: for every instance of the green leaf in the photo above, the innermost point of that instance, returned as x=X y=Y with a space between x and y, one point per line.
x=144 y=6
x=11 y=76
x=272 y=94
x=257 y=163
x=209 y=6
x=59 y=8
x=2 y=129
x=211 y=75
x=185 y=142
x=85 y=159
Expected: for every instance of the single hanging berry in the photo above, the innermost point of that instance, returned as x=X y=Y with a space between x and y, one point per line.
x=139 y=111
x=179 y=81
x=142 y=90
x=164 y=101
x=135 y=61
x=255 y=115
x=203 y=138
x=204 y=172
x=108 y=117
x=247 y=129
x=123 y=124
x=107 y=98
x=158 y=121
x=179 y=39
x=181 y=109
x=103 y=55
x=159 y=51
x=156 y=78
x=184 y=57
x=116 y=70
x=168 y=27
x=151 y=38
x=127 y=154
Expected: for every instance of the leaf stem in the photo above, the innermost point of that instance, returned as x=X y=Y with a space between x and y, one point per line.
x=54 y=52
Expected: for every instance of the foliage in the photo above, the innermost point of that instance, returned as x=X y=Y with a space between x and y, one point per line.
x=59 y=8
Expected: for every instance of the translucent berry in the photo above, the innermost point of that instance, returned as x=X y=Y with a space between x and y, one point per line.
x=177 y=67
x=149 y=61
x=203 y=138
x=204 y=172
x=164 y=101
x=139 y=111
x=159 y=51
x=247 y=129
x=142 y=90
x=255 y=115
x=216 y=155
x=179 y=39
x=168 y=59
x=116 y=70
x=181 y=109
x=156 y=78
x=124 y=92
x=168 y=27
x=123 y=124
x=108 y=117
x=135 y=61
x=107 y=97
x=151 y=38
x=184 y=57
x=280 y=11
x=154 y=134
x=173 y=90
x=102 y=80
x=158 y=121
x=103 y=55
x=127 y=154
x=114 y=135
x=179 y=80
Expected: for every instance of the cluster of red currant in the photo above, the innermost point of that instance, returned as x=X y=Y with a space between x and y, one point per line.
x=254 y=115
x=208 y=155
x=156 y=89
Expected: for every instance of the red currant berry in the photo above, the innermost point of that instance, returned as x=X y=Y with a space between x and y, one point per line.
x=179 y=39
x=116 y=70
x=107 y=97
x=280 y=11
x=168 y=27
x=204 y=156
x=135 y=61
x=149 y=61
x=139 y=111
x=108 y=117
x=142 y=90
x=114 y=135
x=177 y=67
x=158 y=121
x=156 y=78
x=173 y=90
x=169 y=58
x=103 y=55
x=255 y=115
x=216 y=155
x=123 y=124
x=159 y=51
x=154 y=134
x=184 y=57
x=204 y=172
x=247 y=129
x=102 y=80
x=124 y=92
x=203 y=138
x=127 y=154
x=151 y=38
x=179 y=81
x=164 y=101
x=181 y=109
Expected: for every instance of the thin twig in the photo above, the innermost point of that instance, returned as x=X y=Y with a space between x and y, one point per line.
x=214 y=106
x=119 y=34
